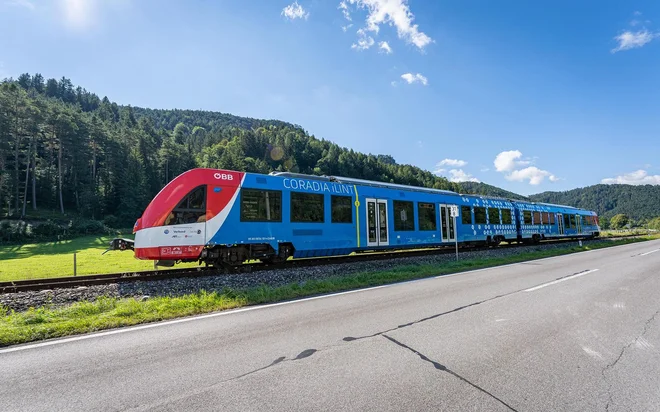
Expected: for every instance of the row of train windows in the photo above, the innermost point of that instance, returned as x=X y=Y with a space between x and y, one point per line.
x=426 y=216
x=544 y=218
x=480 y=214
x=266 y=206
x=538 y=218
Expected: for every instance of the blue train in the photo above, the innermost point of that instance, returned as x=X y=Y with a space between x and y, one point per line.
x=225 y=217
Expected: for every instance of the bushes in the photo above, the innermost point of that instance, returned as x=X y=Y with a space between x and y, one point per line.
x=87 y=227
x=20 y=231
x=47 y=230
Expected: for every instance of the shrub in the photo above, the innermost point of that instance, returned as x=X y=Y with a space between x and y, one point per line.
x=47 y=230
x=112 y=221
x=87 y=227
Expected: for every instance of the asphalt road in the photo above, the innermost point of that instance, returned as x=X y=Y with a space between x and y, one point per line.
x=575 y=333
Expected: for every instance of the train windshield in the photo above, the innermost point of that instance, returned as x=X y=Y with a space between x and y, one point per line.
x=191 y=209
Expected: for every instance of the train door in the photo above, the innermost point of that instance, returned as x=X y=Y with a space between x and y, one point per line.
x=447 y=223
x=560 y=223
x=578 y=220
x=377 y=226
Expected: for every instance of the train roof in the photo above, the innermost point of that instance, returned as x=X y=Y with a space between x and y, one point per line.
x=363 y=182
x=373 y=183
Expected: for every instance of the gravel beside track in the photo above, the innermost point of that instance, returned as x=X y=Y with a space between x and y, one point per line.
x=21 y=301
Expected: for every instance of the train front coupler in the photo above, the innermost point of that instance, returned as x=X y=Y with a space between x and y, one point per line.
x=120 y=244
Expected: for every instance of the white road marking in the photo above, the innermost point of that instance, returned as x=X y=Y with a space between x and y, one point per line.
x=554 y=282
x=592 y=353
x=648 y=253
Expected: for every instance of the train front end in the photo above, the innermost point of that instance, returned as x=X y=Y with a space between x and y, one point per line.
x=178 y=223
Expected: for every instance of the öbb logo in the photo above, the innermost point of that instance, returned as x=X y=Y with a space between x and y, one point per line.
x=223 y=176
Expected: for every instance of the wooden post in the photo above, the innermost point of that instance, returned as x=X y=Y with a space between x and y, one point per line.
x=75 y=269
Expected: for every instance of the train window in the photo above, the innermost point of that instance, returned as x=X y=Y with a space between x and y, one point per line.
x=466 y=215
x=552 y=218
x=404 y=218
x=426 y=216
x=527 y=217
x=569 y=220
x=261 y=205
x=506 y=217
x=537 y=218
x=307 y=207
x=479 y=215
x=493 y=216
x=342 y=209
x=191 y=209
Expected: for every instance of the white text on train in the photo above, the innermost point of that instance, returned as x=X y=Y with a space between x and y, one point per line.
x=317 y=186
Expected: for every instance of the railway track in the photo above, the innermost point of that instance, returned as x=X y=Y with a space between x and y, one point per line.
x=161 y=274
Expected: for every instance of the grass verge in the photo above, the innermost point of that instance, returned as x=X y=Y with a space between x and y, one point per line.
x=54 y=259
x=105 y=313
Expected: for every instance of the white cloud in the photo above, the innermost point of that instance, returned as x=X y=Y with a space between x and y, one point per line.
x=414 y=78
x=294 y=11
x=506 y=161
x=533 y=174
x=439 y=171
x=385 y=47
x=458 y=175
x=393 y=12
x=509 y=161
x=344 y=10
x=22 y=3
x=639 y=177
x=485 y=169
x=637 y=13
x=629 y=40
x=345 y=28
x=364 y=42
x=452 y=162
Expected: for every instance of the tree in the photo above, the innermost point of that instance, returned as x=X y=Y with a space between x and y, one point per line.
x=619 y=221
x=38 y=83
x=25 y=81
x=52 y=88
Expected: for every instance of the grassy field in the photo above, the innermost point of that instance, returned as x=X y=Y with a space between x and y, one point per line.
x=54 y=259
x=43 y=323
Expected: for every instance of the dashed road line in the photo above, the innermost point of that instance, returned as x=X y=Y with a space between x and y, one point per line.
x=554 y=282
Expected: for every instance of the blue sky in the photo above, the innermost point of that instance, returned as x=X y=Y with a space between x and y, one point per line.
x=523 y=96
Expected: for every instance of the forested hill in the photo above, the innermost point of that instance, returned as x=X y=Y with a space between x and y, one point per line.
x=64 y=149
x=488 y=190
x=637 y=202
x=168 y=119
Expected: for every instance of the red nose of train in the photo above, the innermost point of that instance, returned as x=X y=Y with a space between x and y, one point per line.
x=176 y=224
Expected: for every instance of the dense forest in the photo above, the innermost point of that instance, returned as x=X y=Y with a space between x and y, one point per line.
x=65 y=151
x=640 y=203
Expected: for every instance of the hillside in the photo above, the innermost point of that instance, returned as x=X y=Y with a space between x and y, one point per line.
x=637 y=202
x=64 y=149
x=488 y=190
